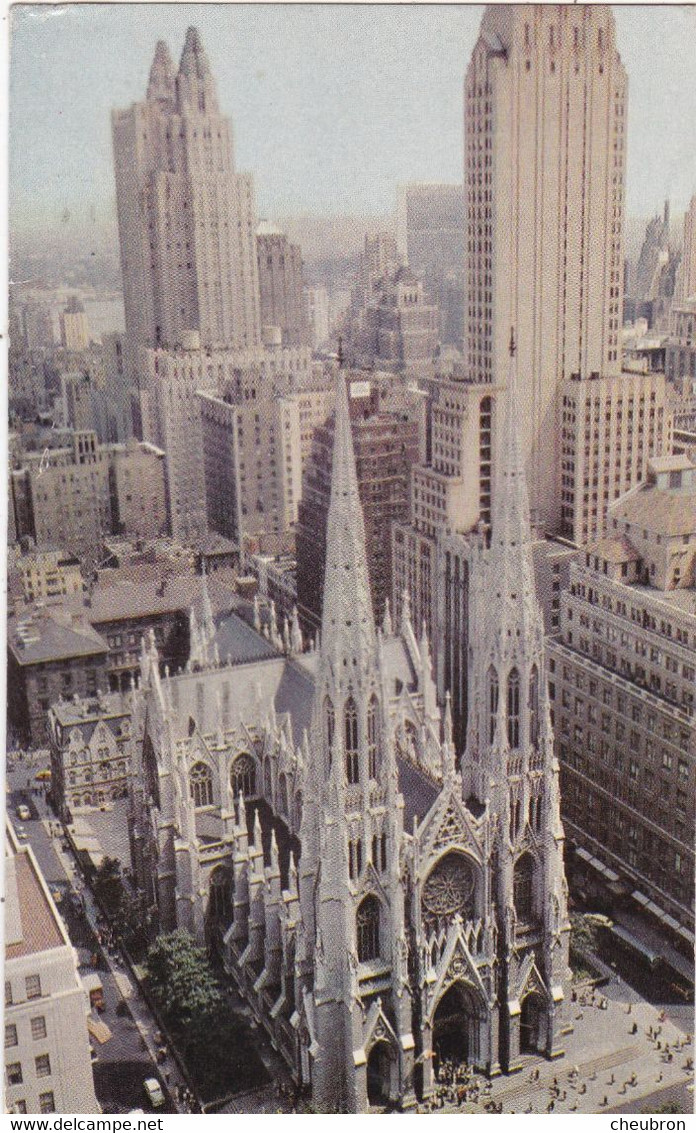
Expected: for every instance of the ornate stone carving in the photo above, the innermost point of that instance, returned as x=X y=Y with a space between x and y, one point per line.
x=452 y=829
x=449 y=891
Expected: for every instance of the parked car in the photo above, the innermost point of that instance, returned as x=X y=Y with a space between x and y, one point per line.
x=23 y=812
x=154 y=1092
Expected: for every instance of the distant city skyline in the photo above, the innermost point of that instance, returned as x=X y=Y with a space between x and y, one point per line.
x=332 y=106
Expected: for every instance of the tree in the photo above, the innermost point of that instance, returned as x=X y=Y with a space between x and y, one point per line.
x=108 y=887
x=182 y=981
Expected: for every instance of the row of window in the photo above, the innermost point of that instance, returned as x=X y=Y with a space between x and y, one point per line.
x=38 y=1030
x=14 y=1073
x=513 y=706
x=32 y=986
x=47 y=1104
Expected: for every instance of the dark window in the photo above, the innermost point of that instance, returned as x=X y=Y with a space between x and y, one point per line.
x=352 y=761
x=368 y=929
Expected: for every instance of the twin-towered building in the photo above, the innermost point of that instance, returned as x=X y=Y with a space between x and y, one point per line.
x=198 y=277
x=379 y=906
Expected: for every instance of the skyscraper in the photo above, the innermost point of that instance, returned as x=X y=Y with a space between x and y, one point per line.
x=545 y=120
x=281 y=289
x=187 y=232
x=686 y=274
x=185 y=216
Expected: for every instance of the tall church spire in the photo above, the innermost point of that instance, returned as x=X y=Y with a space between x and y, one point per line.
x=348 y=627
x=510 y=552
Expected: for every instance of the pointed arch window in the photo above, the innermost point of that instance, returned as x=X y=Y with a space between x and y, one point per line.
x=523 y=888
x=534 y=706
x=243 y=775
x=367 y=926
x=330 y=719
x=283 y=794
x=201 y=784
x=372 y=738
x=513 y=708
x=493 y=692
x=351 y=723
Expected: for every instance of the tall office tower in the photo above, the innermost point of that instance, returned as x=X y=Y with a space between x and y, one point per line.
x=623 y=682
x=430 y=238
x=252 y=466
x=317 y=307
x=686 y=273
x=188 y=256
x=74 y=326
x=398 y=328
x=281 y=289
x=653 y=256
x=545 y=120
x=186 y=217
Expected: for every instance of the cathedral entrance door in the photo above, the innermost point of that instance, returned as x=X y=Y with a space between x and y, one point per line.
x=379 y=1075
x=533 y=1025
x=456 y=1026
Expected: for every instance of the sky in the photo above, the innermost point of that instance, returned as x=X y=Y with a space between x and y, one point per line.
x=332 y=106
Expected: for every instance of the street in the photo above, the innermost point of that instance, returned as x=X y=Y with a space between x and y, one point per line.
x=124 y=1061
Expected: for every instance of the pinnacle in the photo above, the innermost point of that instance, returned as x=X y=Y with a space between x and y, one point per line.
x=347 y=621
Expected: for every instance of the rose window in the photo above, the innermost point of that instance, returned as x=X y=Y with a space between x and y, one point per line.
x=449 y=890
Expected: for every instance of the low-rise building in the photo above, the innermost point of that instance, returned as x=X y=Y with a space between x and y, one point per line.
x=52 y=652
x=48 y=574
x=48 y=1064
x=89 y=741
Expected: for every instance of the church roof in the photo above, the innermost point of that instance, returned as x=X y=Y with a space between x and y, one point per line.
x=238 y=641
x=418 y=790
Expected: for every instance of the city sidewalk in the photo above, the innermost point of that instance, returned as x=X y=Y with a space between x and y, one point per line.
x=144 y=1020
x=614 y=1057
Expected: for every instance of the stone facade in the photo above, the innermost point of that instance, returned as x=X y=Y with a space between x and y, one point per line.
x=89 y=741
x=379 y=908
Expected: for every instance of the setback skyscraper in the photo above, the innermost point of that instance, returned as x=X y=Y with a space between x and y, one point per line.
x=545 y=120
x=186 y=218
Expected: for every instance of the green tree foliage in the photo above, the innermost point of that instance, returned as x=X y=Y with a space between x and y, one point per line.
x=181 y=980
x=108 y=887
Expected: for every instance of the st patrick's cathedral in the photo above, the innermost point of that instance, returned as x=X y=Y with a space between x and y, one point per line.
x=380 y=902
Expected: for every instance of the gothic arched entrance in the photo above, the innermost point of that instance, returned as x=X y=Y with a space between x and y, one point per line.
x=457 y=1026
x=533 y=1025
x=379 y=1072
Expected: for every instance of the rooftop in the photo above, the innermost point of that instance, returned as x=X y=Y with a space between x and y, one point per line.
x=52 y=635
x=79 y=710
x=239 y=642
x=121 y=600
x=656 y=510
x=32 y=923
x=619 y=550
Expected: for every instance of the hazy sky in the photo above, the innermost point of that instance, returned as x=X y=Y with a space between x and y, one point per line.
x=332 y=106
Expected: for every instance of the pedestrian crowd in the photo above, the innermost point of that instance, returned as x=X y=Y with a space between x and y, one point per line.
x=456 y=1084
